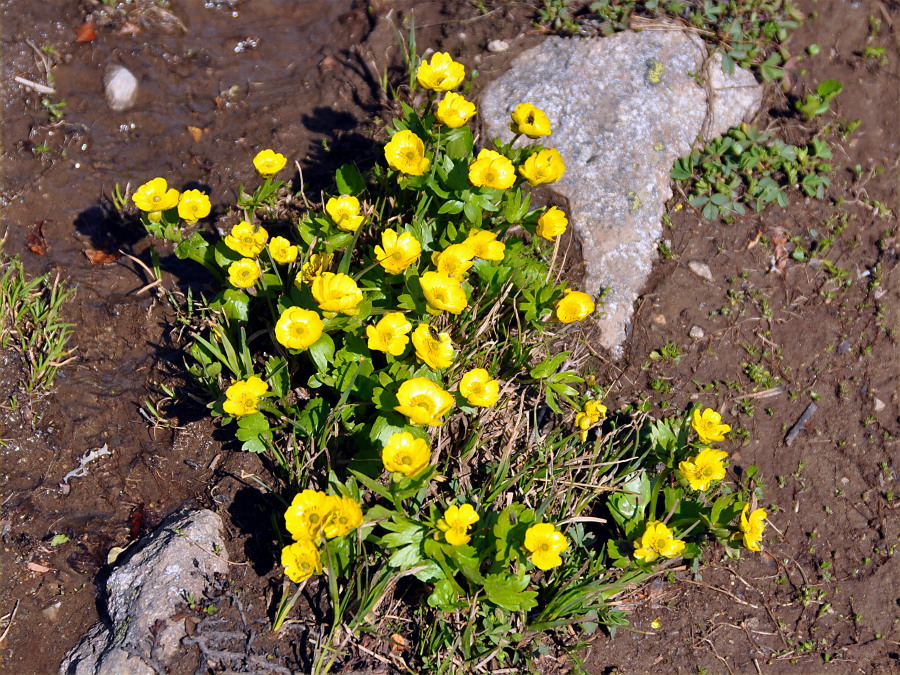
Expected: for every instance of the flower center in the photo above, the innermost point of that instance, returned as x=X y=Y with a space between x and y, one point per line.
x=406 y=460
x=314 y=518
x=422 y=401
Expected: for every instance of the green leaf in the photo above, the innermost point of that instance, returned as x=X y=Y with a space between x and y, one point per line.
x=508 y=591
x=445 y=597
x=828 y=89
x=349 y=180
x=194 y=247
x=59 y=540
x=371 y=484
x=460 y=143
x=322 y=352
x=224 y=256
x=234 y=302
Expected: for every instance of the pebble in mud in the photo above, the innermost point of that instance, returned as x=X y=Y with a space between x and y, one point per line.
x=701 y=269
x=121 y=88
x=697 y=333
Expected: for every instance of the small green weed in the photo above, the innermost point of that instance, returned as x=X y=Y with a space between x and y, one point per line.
x=817 y=104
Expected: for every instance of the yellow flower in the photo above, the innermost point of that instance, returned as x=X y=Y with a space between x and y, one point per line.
x=454 y=110
x=454 y=260
x=243 y=396
x=344 y=211
x=193 y=206
x=389 y=334
x=155 y=196
x=301 y=560
x=307 y=514
x=456 y=523
x=423 y=402
x=551 y=224
x=243 y=273
x=442 y=74
x=397 y=251
x=432 y=348
x=282 y=250
x=658 y=540
x=530 y=121
x=298 y=328
x=479 y=388
x=246 y=239
x=752 y=526
x=344 y=517
x=702 y=469
x=405 y=152
x=545 y=166
x=493 y=170
x=593 y=411
x=268 y=163
x=485 y=245
x=442 y=292
x=405 y=454
x=337 y=293
x=317 y=264
x=545 y=544
x=574 y=306
x=708 y=426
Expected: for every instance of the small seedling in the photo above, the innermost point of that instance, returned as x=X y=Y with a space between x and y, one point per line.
x=817 y=104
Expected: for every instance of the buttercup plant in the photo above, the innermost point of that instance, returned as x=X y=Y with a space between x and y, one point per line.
x=407 y=310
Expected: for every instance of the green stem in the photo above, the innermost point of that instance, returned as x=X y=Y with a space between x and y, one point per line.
x=654 y=492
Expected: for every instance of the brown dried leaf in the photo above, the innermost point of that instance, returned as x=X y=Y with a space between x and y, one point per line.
x=98 y=257
x=36 y=241
x=85 y=32
x=196 y=133
x=398 y=642
x=40 y=569
x=129 y=28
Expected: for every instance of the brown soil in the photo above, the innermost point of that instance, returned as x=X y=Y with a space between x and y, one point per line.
x=313 y=76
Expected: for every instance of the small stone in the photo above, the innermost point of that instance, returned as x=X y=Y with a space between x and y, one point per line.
x=50 y=613
x=697 y=333
x=121 y=87
x=659 y=320
x=844 y=348
x=498 y=46
x=879 y=293
x=879 y=405
x=701 y=269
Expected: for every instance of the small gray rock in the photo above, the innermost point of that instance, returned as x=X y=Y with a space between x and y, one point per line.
x=701 y=269
x=879 y=405
x=697 y=333
x=121 y=87
x=145 y=591
x=498 y=46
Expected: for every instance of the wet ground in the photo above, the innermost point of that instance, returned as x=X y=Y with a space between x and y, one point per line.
x=219 y=83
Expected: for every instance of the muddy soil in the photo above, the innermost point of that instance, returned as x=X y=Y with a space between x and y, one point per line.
x=220 y=82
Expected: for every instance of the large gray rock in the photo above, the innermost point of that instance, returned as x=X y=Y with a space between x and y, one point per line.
x=145 y=592
x=623 y=108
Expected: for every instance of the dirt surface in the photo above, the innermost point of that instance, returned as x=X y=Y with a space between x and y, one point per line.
x=216 y=87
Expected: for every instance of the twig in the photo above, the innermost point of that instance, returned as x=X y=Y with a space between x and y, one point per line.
x=804 y=418
x=713 y=647
x=11 y=619
x=39 y=88
x=720 y=590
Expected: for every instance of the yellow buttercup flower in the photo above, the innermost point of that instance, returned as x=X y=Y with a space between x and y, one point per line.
x=298 y=328
x=282 y=251
x=155 y=196
x=432 y=348
x=545 y=166
x=344 y=211
x=442 y=292
x=454 y=260
x=246 y=239
x=493 y=170
x=301 y=560
x=337 y=293
x=706 y=466
x=479 y=388
x=389 y=334
x=306 y=516
x=243 y=273
x=317 y=264
x=268 y=163
x=656 y=541
x=441 y=74
x=530 y=121
x=545 y=543
x=423 y=402
x=551 y=224
x=397 y=251
x=406 y=455
x=405 y=152
x=593 y=412
x=485 y=245
x=345 y=516
x=456 y=523
x=193 y=205
x=574 y=306
x=752 y=526
x=708 y=426
x=243 y=396
x=454 y=110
